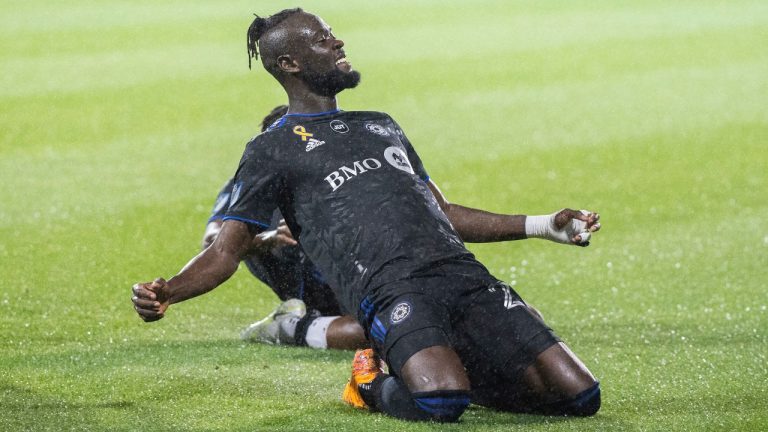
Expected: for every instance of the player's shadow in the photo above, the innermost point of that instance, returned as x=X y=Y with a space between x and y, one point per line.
x=481 y=416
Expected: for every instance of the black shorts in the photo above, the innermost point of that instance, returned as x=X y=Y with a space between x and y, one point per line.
x=319 y=296
x=290 y=274
x=484 y=320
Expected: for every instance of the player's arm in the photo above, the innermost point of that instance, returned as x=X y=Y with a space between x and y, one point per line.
x=217 y=213
x=203 y=273
x=478 y=226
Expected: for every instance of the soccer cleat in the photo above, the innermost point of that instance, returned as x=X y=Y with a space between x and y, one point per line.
x=276 y=328
x=366 y=366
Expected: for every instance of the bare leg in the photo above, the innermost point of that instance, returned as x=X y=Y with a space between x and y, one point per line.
x=433 y=385
x=557 y=374
x=556 y=382
x=345 y=333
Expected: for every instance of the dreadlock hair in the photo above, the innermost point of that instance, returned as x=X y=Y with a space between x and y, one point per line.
x=260 y=25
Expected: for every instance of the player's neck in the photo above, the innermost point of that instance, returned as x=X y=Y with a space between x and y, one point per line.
x=309 y=103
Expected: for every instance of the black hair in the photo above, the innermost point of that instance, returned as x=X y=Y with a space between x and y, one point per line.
x=273 y=116
x=260 y=25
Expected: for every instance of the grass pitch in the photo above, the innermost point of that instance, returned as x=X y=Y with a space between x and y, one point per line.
x=120 y=120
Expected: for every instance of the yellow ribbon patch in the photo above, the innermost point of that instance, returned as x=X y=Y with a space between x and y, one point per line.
x=300 y=131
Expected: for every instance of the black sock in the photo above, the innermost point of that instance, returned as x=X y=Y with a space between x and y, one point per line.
x=368 y=391
x=586 y=403
x=390 y=396
x=300 y=336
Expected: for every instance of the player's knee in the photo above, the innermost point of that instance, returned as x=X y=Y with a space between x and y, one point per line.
x=393 y=398
x=442 y=405
x=436 y=368
x=586 y=403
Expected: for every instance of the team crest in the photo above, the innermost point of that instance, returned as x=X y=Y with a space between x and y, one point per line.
x=398 y=159
x=377 y=129
x=400 y=312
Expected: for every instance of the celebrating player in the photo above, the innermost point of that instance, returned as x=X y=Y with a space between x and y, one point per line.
x=355 y=194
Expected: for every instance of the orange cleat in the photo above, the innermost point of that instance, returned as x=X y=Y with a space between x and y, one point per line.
x=365 y=367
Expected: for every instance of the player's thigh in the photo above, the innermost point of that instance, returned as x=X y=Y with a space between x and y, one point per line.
x=410 y=324
x=555 y=375
x=497 y=330
x=498 y=338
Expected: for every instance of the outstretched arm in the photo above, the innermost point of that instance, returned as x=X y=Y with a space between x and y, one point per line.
x=203 y=273
x=479 y=226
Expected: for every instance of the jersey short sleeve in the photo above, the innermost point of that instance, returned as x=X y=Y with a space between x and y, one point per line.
x=413 y=157
x=222 y=201
x=256 y=188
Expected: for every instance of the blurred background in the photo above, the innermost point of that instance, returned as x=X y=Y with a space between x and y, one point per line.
x=120 y=121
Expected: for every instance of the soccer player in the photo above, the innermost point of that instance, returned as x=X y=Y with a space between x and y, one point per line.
x=355 y=194
x=309 y=314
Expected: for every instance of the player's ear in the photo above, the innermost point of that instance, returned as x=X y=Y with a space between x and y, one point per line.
x=286 y=64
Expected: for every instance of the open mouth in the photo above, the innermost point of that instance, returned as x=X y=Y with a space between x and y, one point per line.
x=342 y=62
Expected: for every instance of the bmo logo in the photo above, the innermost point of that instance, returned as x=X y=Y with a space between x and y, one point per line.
x=344 y=173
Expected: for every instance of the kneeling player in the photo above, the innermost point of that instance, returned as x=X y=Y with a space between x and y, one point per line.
x=392 y=247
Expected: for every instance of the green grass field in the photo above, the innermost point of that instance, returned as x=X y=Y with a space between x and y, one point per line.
x=119 y=121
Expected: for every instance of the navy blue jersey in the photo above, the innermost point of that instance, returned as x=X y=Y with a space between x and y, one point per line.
x=286 y=270
x=354 y=194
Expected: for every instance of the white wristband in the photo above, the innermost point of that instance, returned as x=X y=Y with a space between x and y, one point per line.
x=539 y=226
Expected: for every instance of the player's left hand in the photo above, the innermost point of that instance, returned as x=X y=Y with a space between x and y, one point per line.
x=274 y=239
x=575 y=226
x=567 y=226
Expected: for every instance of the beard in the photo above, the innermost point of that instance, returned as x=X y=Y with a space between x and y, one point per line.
x=330 y=83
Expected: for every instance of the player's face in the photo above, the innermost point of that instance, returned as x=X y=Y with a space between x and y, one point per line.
x=323 y=62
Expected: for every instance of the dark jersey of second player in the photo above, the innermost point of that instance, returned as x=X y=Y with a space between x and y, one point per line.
x=286 y=270
x=353 y=192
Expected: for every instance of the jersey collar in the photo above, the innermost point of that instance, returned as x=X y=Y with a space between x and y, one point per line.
x=281 y=121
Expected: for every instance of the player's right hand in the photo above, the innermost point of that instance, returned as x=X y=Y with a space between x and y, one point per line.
x=274 y=239
x=151 y=299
